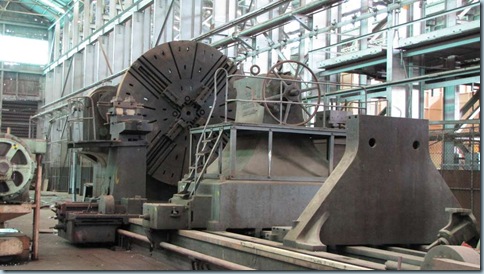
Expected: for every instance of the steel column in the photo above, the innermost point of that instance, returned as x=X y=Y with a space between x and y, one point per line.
x=191 y=19
x=450 y=112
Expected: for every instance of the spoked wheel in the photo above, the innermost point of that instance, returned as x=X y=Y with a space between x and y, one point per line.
x=16 y=168
x=291 y=93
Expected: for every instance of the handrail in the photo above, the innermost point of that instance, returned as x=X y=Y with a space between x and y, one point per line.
x=203 y=137
x=324 y=96
x=84 y=107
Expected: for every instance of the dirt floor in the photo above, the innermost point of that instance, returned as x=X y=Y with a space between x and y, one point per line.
x=55 y=253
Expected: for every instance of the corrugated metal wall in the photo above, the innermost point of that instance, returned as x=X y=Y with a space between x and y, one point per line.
x=16 y=115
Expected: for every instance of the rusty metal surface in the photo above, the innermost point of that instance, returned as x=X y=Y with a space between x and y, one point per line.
x=36 y=207
x=82 y=223
x=175 y=83
x=100 y=104
x=384 y=191
x=10 y=246
x=8 y=212
x=14 y=246
x=452 y=252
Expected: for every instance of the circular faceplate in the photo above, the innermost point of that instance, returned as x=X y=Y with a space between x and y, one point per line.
x=175 y=83
x=16 y=168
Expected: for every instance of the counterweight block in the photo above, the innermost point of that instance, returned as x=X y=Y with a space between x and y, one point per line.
x=385 y=190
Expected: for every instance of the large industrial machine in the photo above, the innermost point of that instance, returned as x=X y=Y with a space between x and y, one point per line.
x=186 y=144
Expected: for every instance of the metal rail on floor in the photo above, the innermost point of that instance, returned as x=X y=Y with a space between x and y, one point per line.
x=186 y=252
x=197 y=255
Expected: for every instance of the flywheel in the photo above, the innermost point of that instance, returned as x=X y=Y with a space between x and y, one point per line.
x=16 y=169
x=175 y=83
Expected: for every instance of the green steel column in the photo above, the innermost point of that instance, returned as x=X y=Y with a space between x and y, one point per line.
x=363 y=79
x=421 y=99
x=389 y=57
x=450 y=112
x=409 y=92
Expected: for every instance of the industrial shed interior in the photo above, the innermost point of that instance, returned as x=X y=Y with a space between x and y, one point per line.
x=240 y=135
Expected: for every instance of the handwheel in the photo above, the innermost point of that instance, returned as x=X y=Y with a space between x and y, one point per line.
x=290 y=94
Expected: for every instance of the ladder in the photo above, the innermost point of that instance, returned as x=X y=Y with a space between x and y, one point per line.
x=207 y=145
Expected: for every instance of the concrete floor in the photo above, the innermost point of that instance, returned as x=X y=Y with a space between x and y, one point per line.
x=55 y=253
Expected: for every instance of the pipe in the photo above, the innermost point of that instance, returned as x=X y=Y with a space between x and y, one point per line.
x=109 y=78
x=133 y=235
x=392 y=265
x=216 y=261
x=241 y=19
x=187 y=252
x=421 y=78
x=35 y=231
x=384 y=255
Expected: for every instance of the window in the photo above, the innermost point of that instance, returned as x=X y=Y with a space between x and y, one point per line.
x=23 y=50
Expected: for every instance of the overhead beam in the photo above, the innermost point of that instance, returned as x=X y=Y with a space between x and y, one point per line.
x=455 y=82
x=242 y=19
x=11 y=23
x=24 y=12
x=475 y=70
x=276 y=22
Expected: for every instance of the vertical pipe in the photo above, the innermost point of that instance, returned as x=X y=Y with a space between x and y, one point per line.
x=35 y=230
x=233 y=151
x=331 y=153
x=269 y=154
x=421 y=96
x=73 y=175
x=220 y=150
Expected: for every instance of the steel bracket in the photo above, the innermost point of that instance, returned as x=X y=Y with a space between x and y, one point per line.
x=385 y=190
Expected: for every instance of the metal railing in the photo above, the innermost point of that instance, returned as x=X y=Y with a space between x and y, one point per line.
x=455 y=150
x=307 y=101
